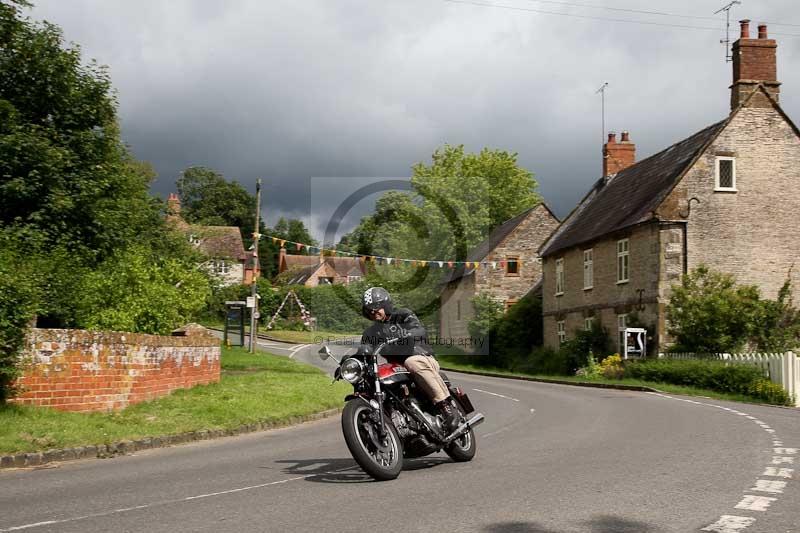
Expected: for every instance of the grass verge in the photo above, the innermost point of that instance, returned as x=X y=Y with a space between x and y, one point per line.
x=307 y=337
x=253 y=388
x=471 y=363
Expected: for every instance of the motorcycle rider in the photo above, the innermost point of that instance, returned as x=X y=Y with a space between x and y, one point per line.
x=411 y=350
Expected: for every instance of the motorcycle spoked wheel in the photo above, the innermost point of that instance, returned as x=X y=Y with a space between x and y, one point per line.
x=382 y=461
x=463 y=448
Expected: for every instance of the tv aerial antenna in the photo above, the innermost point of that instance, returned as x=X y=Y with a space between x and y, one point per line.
x=727 y=40
x=602 y=91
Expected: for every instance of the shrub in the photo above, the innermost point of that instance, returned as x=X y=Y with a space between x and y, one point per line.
x=593 y=341
x=705 y=374
x=543 y=361
x=611 y=367
x=488 y=312
x=770 y=392
x=709 y=313
x=517 y=332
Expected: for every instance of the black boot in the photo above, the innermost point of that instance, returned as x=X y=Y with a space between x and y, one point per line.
x=451 y=418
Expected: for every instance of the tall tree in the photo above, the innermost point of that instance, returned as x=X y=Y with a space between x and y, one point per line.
x=208 y=198
x=64 y=171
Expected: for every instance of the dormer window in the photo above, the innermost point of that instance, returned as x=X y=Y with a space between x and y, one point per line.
x=725 y=174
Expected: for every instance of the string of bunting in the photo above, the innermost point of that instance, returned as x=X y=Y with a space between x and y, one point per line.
x=378 y=259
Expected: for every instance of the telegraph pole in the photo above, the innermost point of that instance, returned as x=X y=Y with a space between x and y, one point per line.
x=254 y=286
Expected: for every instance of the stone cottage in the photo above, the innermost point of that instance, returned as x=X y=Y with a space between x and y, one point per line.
x=724 y=196
x=510 y=267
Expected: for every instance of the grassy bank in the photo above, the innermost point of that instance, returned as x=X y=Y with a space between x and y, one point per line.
x=253 y=388
x=473 y=364
x=307 y=337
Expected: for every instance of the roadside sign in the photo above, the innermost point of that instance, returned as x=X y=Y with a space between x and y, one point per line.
x=251 y=301
x=635 y=343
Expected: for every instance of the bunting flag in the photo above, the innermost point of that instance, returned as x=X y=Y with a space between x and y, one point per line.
x=381 y=260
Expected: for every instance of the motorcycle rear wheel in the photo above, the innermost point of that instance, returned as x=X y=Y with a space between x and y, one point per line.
x=360 y=432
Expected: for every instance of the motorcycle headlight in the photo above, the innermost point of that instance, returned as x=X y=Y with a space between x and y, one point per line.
x=352 y=370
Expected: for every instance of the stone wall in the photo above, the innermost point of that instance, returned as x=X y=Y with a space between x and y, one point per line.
x=752 y=232
x=606 y=298
x=77 y=370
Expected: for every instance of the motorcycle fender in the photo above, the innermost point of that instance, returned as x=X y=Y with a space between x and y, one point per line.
x=356 y=397
x=462 y=399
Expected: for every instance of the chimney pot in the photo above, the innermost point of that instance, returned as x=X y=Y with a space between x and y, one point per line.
x=618 y=156
x=625 y=137
x=745 y=24
x=612 y=138
x=762 y=31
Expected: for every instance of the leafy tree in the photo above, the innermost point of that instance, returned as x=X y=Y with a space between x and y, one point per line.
x=208 y=199
x=709 y=313
x=488 y=312
x=137 y=291
x=64 y=171
x=289 y=229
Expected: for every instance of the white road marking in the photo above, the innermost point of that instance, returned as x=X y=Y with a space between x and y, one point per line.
x=495 y=394
x=768 y=485
x=778 y=472
x=780 y=460
x=168 y=502
x=297 y=349
x=755 y=503
x=730 y=524
x=786 y=451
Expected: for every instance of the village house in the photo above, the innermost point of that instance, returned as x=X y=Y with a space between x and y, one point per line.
x=227 y=259
x=315 y=270
x=726 y=197
x=509 y=268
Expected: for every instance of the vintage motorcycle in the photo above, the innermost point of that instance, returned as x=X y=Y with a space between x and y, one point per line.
x=388 y=417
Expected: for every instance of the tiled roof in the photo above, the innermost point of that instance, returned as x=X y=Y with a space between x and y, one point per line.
x=631 y=196
x=302 y=275
x=300 y=260
x=219 y=241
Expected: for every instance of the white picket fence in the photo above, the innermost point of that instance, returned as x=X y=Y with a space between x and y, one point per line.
x=782 y=368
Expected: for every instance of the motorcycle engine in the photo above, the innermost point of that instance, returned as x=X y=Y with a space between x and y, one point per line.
x=401 y=423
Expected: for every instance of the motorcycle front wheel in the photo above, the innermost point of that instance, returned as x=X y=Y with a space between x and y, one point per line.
x=381 y=459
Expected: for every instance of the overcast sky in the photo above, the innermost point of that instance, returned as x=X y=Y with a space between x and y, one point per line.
x=321 y=97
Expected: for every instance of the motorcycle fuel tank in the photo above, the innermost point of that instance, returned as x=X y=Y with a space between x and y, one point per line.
x=392 y=373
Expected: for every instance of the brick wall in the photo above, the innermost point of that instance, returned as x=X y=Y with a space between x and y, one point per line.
x=76 y=370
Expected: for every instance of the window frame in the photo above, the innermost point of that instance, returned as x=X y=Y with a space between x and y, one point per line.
x=622 y=323
x=588 y=266
x=222 y=267
x=623 y=261
x=588 y=323
x=512 y=259
x=717 y=187
x=559 y=276
x=561 y=331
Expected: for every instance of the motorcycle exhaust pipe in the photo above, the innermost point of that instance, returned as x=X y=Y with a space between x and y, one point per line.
x=473 y=421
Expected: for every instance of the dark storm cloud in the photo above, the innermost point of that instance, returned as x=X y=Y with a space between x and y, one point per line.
x=289 y=91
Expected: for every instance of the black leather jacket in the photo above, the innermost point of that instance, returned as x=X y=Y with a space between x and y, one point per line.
x=401 y=324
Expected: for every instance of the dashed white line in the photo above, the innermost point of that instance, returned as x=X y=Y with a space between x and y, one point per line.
x=768 y=485
x=495 y=394
x=778 y=472
x=167 y=502
x=730 y=524
x=755 y=503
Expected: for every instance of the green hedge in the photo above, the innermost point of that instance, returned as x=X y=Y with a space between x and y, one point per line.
x=705 y=374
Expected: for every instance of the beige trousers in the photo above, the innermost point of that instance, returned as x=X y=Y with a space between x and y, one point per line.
x=425 y=370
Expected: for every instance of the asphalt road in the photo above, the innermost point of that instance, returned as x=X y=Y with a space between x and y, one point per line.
x=551 y=458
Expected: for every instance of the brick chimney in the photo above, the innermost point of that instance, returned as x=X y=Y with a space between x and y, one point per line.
x=282 y=260
x=173 y=204
x=618 y=156
x=754 y=62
